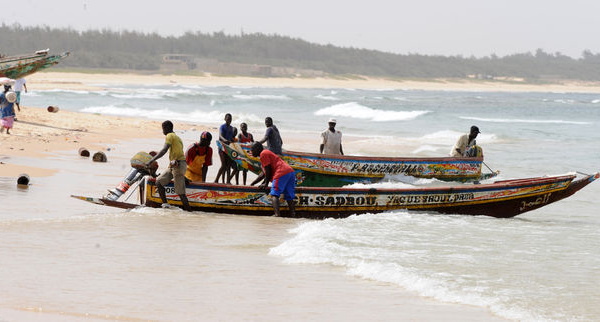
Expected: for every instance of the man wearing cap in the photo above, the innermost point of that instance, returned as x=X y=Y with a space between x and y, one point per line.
x=332 y=139
x=464 y=142
x=198 y=157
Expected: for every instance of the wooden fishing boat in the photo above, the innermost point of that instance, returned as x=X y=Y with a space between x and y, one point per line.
x=319 y=170
x=502 y=199
x=22 y=65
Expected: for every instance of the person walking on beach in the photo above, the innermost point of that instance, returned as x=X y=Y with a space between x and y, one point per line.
x=226 y=136
x=245 y=137
x=332 y=139
x=198 y=158
x=272 y=137
x=7 y=109
x=465 y=142
x=280 y=173
x=177 y=167
x=19 y=86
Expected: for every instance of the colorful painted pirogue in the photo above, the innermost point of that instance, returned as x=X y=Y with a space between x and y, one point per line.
x=22 y=65
x=319 y=170
x=501 y=199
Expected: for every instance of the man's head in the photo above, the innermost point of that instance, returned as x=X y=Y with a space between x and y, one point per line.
x=167 y=127
x=228 y=118
x=268 y=121
x=332 y=123
x=257 y=148
x=205 y=138
x=244 y=127
x=474 y=131
x=6 y=88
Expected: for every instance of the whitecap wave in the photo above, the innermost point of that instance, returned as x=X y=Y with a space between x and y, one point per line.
x=327 y=98
x=261 y=97
x=355 y=110
x=203 y=117
x=500 y=120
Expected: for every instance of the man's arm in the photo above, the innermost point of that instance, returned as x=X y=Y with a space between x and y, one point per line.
x=160 y=154
x=25 y=87
x=260 y=177
x=341 y=151
x=321 y=147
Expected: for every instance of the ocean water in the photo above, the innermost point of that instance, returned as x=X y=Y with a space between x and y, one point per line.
x=541 y=266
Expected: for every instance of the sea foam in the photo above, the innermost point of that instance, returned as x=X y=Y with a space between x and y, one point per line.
x=355 y=110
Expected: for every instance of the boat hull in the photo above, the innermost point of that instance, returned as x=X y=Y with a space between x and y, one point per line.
x=502 y=199
x=20 y=66
x=318 y=170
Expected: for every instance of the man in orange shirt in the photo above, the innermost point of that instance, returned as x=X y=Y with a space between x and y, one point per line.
x=282 y=175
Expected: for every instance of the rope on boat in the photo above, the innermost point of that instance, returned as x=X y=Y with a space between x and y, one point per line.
x=136 y=184
x=487 y=167
x=585 y=174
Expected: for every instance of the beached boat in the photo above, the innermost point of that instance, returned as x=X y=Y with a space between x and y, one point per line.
x=320 y=170
x=502 y=199
x=22 y=65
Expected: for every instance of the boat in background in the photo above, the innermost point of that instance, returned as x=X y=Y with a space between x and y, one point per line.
x=322 y=170
x=501 y=199
x=22 y=65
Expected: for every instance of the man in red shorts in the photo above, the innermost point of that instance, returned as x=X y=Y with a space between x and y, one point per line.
x=282 y=175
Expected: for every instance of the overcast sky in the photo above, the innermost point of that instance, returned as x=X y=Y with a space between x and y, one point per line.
x=440 y=27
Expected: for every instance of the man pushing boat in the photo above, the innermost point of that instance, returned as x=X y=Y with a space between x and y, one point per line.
x=282 y=175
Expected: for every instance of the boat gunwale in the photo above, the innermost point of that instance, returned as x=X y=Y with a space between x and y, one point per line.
x=499 y=185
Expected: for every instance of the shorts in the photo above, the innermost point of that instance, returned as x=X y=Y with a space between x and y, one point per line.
x=18 y=101
x=7 y=122
x=285 y=184
x=177 y=174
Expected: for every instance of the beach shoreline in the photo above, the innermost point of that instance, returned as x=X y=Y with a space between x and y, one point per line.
x=96 y=81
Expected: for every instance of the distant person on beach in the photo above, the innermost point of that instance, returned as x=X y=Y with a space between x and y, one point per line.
x=7 y=109
x=177 y=167
x=332 y=139
x=280 y=173
x=272 y=137
x=245 y=137
x=464 y=143
x=19 y=86
x=198 y=158
x=226 y=136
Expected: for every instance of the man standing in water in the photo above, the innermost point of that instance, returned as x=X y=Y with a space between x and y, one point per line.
x=177 y=167
x=226 y=136
x=464 y=142
x=332 y=140
x=272 y=137
x=282 y=175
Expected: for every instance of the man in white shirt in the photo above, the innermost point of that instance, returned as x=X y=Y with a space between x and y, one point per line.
x=19 y=86
x=332 y=140
x=464 y=141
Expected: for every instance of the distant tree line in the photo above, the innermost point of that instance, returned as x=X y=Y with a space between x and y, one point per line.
x=142 y=51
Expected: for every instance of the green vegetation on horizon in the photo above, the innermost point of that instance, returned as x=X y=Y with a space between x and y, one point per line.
x=130 y=50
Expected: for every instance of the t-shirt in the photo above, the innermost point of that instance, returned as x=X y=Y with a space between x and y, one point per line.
x=19 y=84
x=331 y=141
x=176 y=149
x=274 y=141
x=245 y=139
x=278 y=166
x=196 y=150
x=226 y=131
x=461 y=144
